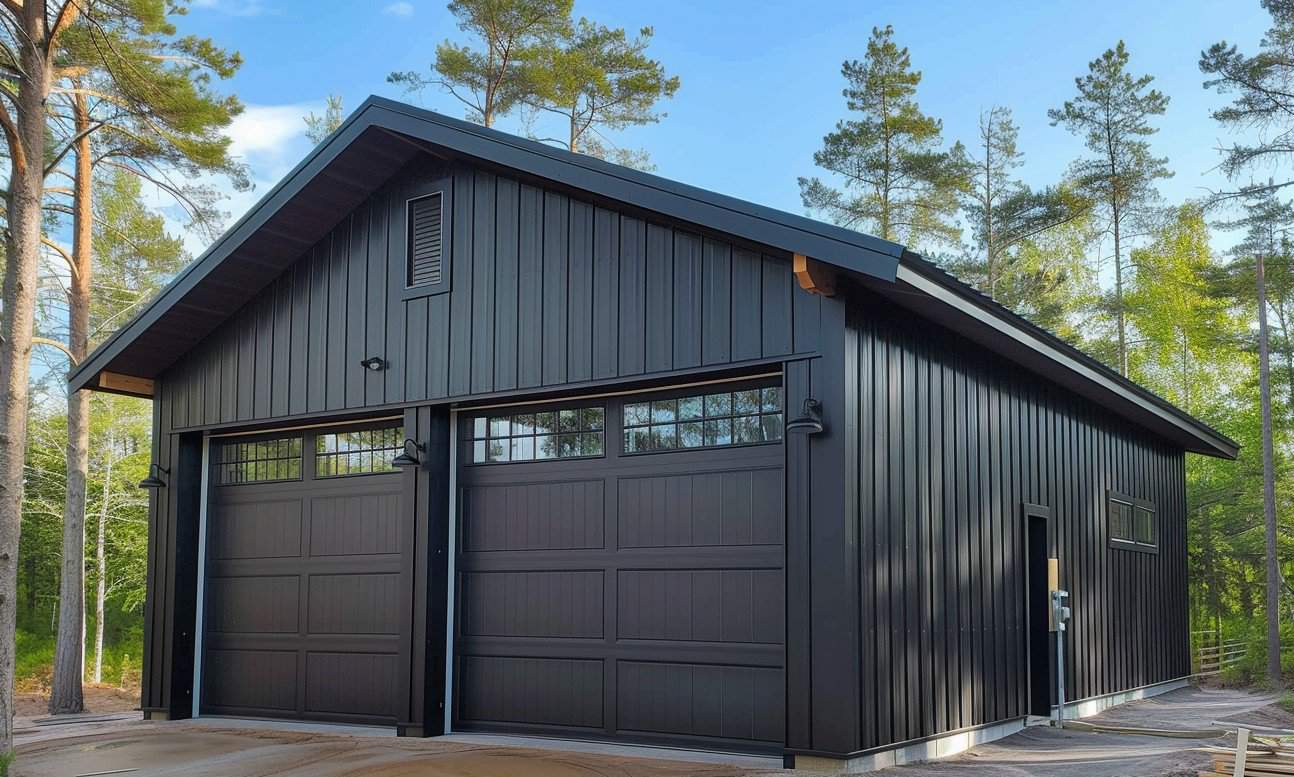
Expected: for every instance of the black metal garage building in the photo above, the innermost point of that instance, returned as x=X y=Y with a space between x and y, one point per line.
x=458 y=431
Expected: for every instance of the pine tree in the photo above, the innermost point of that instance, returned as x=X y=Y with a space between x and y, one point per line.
x=897 y=182
x=1112 y=113
x=1002 y=211
x=492 y=80
x=598 y=79
x=1262 y=101
x=132 y=96
x=320 y=127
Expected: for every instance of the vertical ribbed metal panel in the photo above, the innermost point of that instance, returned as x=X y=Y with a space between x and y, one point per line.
x=950 y=442
x=538 y=288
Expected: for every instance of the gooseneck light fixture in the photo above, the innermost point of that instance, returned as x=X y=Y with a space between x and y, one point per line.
x=407 y=458
x=154 y=479
x=809 y=421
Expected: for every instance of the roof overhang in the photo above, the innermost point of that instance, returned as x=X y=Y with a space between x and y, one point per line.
x=383 y=136
x=374 y=143
x=937 y=296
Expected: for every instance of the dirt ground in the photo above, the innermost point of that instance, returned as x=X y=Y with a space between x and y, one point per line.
x=98 y=699
x=236 y=749
x=1049 y=752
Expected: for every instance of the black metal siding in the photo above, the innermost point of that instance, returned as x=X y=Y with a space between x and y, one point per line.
x=545 y=290
x=950 y=443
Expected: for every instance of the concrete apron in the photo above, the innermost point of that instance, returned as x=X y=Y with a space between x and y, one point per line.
x=614 y=749
x=952 y=744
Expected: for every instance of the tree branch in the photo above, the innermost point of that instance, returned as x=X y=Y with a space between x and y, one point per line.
x=55 y=344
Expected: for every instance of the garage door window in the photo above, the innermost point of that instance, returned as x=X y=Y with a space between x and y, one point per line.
x=358 y=452
x=262 y=461
x=717 y=419
x=539 y=436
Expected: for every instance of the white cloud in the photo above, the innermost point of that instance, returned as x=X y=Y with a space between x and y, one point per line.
x=401 y=8
x=264 y=130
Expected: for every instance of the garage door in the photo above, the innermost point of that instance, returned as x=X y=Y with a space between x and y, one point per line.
x=620 y=568
x=307 y=586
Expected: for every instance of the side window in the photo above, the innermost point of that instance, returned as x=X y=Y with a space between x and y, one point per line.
x=716 y=419
x=260 y=461
x=1145 y=529
x=357 y=452
x=1120 y=520
x=567 y=433
x=1134 y=523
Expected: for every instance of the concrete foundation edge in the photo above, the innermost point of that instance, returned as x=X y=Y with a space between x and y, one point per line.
x=952 y=744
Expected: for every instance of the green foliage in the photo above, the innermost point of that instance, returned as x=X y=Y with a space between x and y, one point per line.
x=6 y=760
x=1260 y=84
x=1112 y=112
x=1005 y=214
x=151 y=97
x=1251 y=670
x=320 y=127
x=492 y=78
x=596 y=79
x=897 y=182
x=134 y=256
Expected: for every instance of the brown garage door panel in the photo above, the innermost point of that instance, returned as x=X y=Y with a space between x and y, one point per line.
x=534 y=516
x=703 y=605
x=255 y=530
x=559 y=603
x=627 y=595
x=356 y=604
x=727 y=702
x=742 y=507
x=355 y=524
x=308 y=589
x=531 y=691
x=254 y=605
x=257 y=680
x=352 y=684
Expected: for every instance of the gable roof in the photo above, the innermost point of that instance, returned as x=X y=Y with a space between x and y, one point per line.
x=383 y=135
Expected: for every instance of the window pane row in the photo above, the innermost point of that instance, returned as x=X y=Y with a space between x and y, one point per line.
x=550 y=434
x=357 y=452
x=704 y=420
x=362 y=452
x=1133 y=524
x=262 y=461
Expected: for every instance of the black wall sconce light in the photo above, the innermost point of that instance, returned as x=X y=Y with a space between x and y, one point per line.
x=809 y=421
x=154 y=479
x=407 y=459
x=374 y=363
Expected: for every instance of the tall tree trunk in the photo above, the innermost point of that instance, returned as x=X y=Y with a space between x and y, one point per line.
x=1118 y=291
x=1269 y=490
x=69 y=653
x=25 y=133
x=101 y=561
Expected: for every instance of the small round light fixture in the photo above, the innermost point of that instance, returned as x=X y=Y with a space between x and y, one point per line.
x=809 y=421
x=154 y=479
x=406 y=458
x=374 y=364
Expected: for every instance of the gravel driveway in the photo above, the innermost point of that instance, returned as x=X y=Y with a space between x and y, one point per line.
x=213 y=748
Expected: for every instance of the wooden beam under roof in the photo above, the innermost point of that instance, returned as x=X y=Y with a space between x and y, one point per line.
x=126 y=384
x=814 y=276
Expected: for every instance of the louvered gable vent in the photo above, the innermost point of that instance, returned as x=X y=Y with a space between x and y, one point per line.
x=426 y=265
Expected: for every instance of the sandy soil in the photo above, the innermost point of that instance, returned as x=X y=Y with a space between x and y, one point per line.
x=98 y=699
x=247 y=749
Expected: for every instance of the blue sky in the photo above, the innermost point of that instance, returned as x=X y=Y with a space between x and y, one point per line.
x=760 y=81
